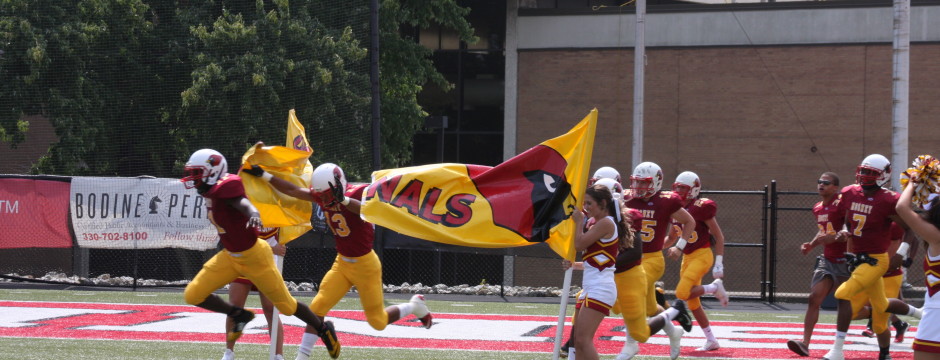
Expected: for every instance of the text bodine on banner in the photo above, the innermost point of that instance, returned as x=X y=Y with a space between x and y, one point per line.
x=141 y=213
x=34 y=214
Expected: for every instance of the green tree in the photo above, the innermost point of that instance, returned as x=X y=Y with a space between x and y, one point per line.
x=133 y=86
x=406 y=67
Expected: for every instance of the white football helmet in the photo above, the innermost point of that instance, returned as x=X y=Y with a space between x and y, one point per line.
x=875 y=169
x=204 y=169
x=646 y=179
x=687 y=185
x=606 y=172
x=611 y=184
x=323 y=177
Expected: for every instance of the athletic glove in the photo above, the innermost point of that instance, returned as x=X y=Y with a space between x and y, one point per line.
x=907 y=262
x=338 y=194
x=850 y=261
x=718 y=271
x=256 y=170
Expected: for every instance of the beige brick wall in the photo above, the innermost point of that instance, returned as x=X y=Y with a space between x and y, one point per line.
x=737 y=116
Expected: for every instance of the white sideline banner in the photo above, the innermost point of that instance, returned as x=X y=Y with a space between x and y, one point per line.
x=139 y=213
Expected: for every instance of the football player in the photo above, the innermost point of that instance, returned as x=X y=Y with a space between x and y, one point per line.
x=659 y=210
x=867 y=209
x=356 y=263
x=698 y=254
x=244 y=254
x=831 y=269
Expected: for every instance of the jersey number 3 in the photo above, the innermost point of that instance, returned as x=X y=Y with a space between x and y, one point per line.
x=338 y=225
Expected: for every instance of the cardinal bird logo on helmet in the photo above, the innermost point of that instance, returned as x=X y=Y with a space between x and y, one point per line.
x=544 y=201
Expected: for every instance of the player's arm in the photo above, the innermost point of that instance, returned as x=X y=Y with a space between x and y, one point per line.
x=281 y=185
x=244 y=206
x=715 y=230
x=894 y=258
x=631 y=255
x=672 y=237
x=687 y=223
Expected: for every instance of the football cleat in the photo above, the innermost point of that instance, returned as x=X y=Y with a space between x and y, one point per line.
x=798 y=347
x=328 y=335
x=228 y=355
x=683 y=317
x=238 y=324
x=900 y=330
x=421 y=311
x=675 y=337
x=709 y=346
x=629 y=350
x=834 y=354
x=884 y=355
x=720 y=292
x=564 y=349
x=661 y=295
x=868 y=333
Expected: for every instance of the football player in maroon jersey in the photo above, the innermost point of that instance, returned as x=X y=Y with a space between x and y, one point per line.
x=356 y=263
x=867 y=209
x=659 y=209
x=244 y=254
x=927 y=227
x=831 y=269
x=697 y=256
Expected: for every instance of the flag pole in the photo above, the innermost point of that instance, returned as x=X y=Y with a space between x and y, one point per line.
x=562 y=312
x=275 y=317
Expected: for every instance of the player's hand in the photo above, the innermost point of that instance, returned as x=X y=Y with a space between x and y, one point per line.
x=279 y=250
x=718 y=271
x=339 y=194
x=805 y=248
x=843 y=235
x=254 y=221
x=674 y=253
x=908 y=262
x=254 y=170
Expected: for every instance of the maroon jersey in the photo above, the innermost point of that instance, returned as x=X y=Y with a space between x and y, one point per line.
x=897 y=233
x=701 y=210
x=825 y=213
x=353 y=235
x=231 y=223
x=867 y=217
x=657 y=218
x=636 y=219
x=931 y=274
x=601 y=254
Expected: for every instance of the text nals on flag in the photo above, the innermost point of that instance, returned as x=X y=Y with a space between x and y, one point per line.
x=526 y=200
x=291 y=163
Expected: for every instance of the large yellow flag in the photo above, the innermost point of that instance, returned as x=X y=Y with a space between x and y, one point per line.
x=526 y=200
x=291 y=163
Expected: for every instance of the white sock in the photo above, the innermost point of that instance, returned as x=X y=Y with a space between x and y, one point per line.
x=570 y=353
x=915 y=312
x=840 y=339
x=405 y=309
x=670 y=313
x=307 y=342
x=668 y=328
x=708 y=334
x=710 y=288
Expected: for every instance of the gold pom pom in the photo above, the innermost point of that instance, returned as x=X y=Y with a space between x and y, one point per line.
x=925 y=174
